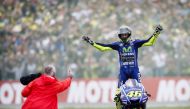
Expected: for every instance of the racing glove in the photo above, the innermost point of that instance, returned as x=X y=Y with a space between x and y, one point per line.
x=88 y=40
x=158 y=29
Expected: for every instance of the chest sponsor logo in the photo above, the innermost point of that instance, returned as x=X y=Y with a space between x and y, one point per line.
x=129 y=49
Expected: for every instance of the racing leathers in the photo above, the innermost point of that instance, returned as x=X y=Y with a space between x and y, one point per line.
x=128 y=56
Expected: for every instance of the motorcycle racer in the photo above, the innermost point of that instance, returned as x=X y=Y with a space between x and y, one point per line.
x=128 y=52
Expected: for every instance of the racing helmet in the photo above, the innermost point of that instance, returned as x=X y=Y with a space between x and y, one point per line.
x=124 y=33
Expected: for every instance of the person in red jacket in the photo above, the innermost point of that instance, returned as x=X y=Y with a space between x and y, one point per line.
x=42 y=92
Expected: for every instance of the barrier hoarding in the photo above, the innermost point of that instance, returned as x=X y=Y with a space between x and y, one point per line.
x=166 y=89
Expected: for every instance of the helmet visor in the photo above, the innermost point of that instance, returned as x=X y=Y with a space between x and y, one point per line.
x=124 y=37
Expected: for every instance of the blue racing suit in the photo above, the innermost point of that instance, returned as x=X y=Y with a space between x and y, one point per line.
x=128 y=56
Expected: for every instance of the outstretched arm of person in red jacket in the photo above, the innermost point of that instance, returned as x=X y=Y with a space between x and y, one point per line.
x=63 y=85
x=67 y=82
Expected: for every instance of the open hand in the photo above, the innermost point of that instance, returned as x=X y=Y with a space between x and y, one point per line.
x=69 y=73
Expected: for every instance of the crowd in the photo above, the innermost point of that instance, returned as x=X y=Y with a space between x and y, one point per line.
x=34 y=33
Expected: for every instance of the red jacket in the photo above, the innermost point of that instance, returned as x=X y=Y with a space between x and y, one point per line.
x=42 y=92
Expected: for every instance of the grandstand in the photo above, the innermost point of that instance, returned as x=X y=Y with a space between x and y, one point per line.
x=34 y=33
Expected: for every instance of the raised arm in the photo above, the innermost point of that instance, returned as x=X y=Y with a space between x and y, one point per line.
x=65 y=84
x=100 y=46
x=152 y=39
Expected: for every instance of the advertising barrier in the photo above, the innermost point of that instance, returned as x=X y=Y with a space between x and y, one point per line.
x=100 y=91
